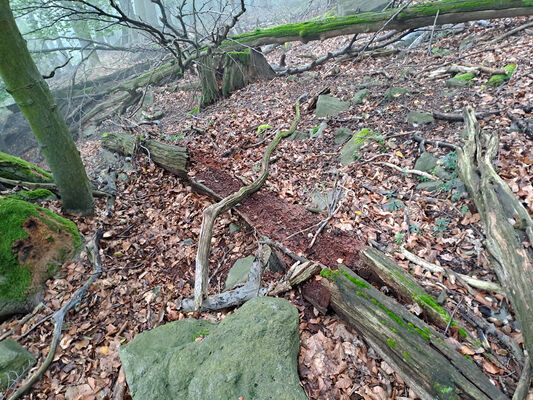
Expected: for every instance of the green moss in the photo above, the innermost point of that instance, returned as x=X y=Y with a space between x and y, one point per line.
x=465 y=77
x=22 y=170
x=34 y=195
x=407 y=355
x=241 y=56
x=392 y=344
x=444 y=392
x=200 y=334
x=500 y=79
x=13 y=214
x=329 y=274
x=462 y=333
x=357 y=282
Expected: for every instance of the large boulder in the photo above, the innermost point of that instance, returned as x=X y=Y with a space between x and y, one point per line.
x=15 y=362
x=34 y=243
x=250 y=354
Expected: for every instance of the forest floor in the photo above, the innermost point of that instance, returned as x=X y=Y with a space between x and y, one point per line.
x=150 y=243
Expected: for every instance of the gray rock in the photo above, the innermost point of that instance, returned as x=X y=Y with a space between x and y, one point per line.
x=419 y=117
x=350 y=151
x=342 y=135
x=272 y=260
x=187 y=242
x=430 y=186
x=234 y=228
x=239 y=272
x=455 y=83
x=393 y=93
x=425 y=162
x=328 y=106
x=360 y=96
x=251 y=353
x=15 y=362
x=318 y=133
x=298 y=135
x=442 y=174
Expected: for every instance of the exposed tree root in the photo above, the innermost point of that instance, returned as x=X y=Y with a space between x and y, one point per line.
x=213 y=211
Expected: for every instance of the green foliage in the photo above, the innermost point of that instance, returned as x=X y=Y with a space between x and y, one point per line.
x=441 y=224
x=398 y=238
x=449 y=161
x=499 y=79
x=195 y=110
x=201 y=334
x=464 y=210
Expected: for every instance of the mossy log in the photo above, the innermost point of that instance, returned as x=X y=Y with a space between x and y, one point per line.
x=17 y=169
x=416 y=16
x=405 y=287
x=508 y=226
x=413 y=349
x=169 y=157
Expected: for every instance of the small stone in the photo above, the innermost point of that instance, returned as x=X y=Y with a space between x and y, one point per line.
x=239 y=272
x=234 y=228
x=419 y=118
x=342 y=135
x=455 y=83
x=426 y=162
x=328 y=106
x=187 y=242
x=393 y=93
x=360 y=96
x=431 y=186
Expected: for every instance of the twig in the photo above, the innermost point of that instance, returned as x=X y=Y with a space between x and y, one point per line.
x=21 y=322
x=523 y=384
x=512 y=32
x=59 y=316
x=432 y=32
x=284 y=249
x=120 y=385
x=451 y=315
x=406 y=171
x=477 y=283
x=436 y=143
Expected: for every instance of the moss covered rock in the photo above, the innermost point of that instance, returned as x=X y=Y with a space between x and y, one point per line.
x=251 y=354
x=500 y=79
x=34 y=243
x=15 y=362
x=15 y=168
x=35 y=196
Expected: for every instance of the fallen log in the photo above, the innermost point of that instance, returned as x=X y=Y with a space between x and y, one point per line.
x=172 y=158
x=413 y=349
x=508 y=226
x=416 y=16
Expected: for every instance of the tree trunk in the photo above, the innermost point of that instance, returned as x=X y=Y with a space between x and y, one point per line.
x=508 y=226
x=413 y=349
x=207 y=69
x=172 y=158
x=34 y=99
x=417 y=16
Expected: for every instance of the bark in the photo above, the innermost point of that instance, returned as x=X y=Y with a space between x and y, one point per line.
x=413 y=349
x=417 y=16
x=169 y=157
x=207 y=66
x=32 y=95
x=242 y=67
x=508 y=226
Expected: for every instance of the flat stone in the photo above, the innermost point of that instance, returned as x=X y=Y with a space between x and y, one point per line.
x=329 y=106
x=342 y=135
x=239 y=272
x=298 y=135
x=350 y=151
x=430 y=186
x=360 y=96
x=456 y=83
x=426 y=162
x=393 y=93
x=15 y=362
x=234 y=228
x=251 y=354
x=442 y=174
x=419 y=117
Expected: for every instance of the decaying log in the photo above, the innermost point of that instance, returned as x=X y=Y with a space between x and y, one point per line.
x=169 y=157
x=413 y=349
x=508 y=226
x=297 y=273
x=213 y=211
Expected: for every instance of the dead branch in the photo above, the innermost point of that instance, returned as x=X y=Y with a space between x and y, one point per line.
x=508 y=225
x=459 y=116
x=510 y=33
x=59 y=316
x=522 y=389
x=477 y=283
x=406 y=171
x=13 y=182
x=213 y=211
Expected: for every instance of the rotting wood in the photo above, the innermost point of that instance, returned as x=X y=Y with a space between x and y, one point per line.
x=508 y=226
x=172 y=158
x=297 y=273
x=213 y=211
x=413 y=349
x=44 y=185
x=59 y=316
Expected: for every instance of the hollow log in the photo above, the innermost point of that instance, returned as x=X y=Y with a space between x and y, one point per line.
x=413 y=349
x=508 y=226
x=172 y=158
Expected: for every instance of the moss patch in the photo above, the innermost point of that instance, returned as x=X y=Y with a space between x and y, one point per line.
x=34 y=195
x=15 y=168
x=500 y=79
x=465 y=77
x=34 y=242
